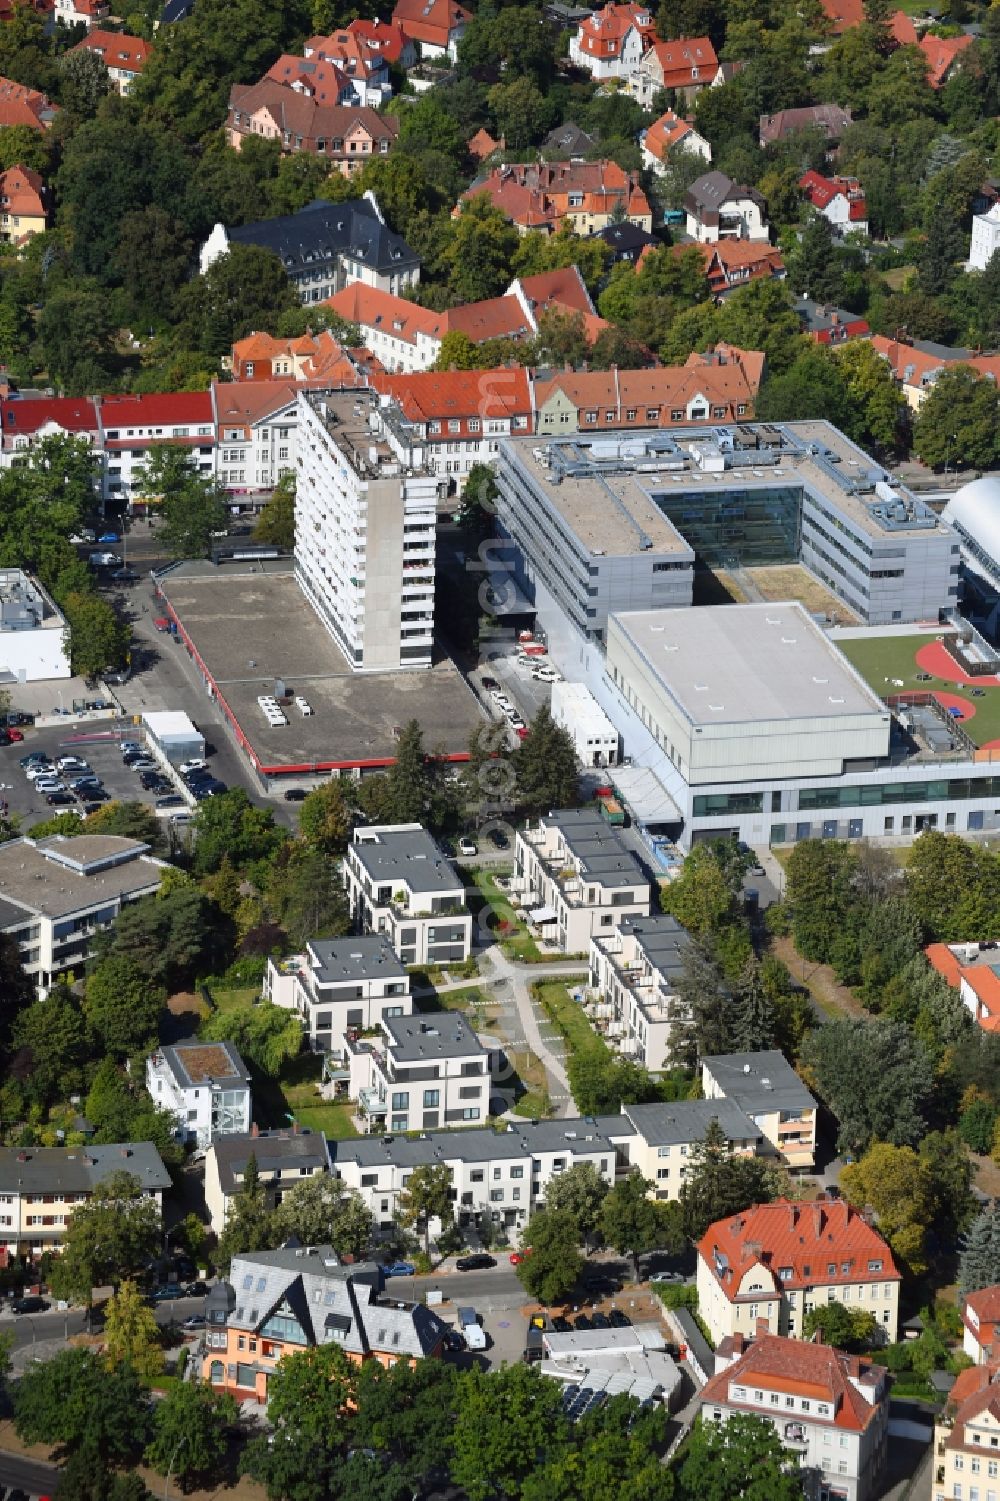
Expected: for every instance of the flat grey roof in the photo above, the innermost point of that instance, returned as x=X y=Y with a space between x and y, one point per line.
x=402 y=854
x=688 y=1120
x=439 y=1034
x=80 y=1169
x=762 y=1081
x=604 y=486
x=738 y=664
x=272 y=1149
x=601 y=853
x=251 y=624
x=194 y=1063
x=662 y=939
x=340 y=960
x=577 y=1135
x=64 y=874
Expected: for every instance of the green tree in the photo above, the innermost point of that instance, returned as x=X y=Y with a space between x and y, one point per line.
x=322 y=1211
x=190 y=1432
x=75 y=331
x=313 y=904
x=97 y=639
x=896 y=1184
x=152 y=258
x=706 y=1023
x=409 y=781
x=245 y=289
x=249 y=1225
x=123 y=1005
x=753 y=1020
x=950 y=884
x=940 y=251
x=630 y=1220
x=876 y=1078
x=617 y=1459
x=131 y=1334
x=959 y=423
x=86 y=1477
x=520 y=110
x=479 y=503
x=546 y=767
x=850 y=1329
x=818 y=894
x=718 y=1184
x=815 y=269
x=308 y=1392
x=171 y=934
x=326 y=818
x=581 y=1192
x=878 y=402
x=813 y=385
x=977 y=1124
x=276 y=522
x=83 y=82
x=551 y=1270
x=950 y=1175
x=75 y=1402
x=51 y=1046
x=112 y=1234
x=407 y=1413
x=744 y=1458
x=189 y=506
x=979 y=1264
x=427 y=1196
x=231 y=826
x=602 y=1084
x=506 y=1423
x=479 y=252
x=267 y=1036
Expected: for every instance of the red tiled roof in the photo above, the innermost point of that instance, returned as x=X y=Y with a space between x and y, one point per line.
x=843 y=14
x=665 y=132
x=612 y=24
x=803 y=1369
x=731 y=263
x=497 y=318
x=26 y=414
x=21 y=106
x=298 y=113
x=566 y=288
x=975 y=1391
x=902 y=29
x=430 y=20
x=985 y=1304
x=245 y=402
x=433 y=394
x=482 y=145
x=805 y=1239
x=537 y=194
x=22 y=192
x=679 y=59
x=318 y=78
x=387 y=37
x=980 y=978
x=371 y=308
x=159 y=409
x=129 y=54
x=940 y=53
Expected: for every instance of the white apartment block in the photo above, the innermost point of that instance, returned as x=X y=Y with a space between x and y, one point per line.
x=56 y=893
x=500 y=1174
x=205 y=1086
x=341 y=986
x=364 y=536
x=779 y=1261
x=985 y=240
x=663 y=1139
x=41 y=1186
x=423 y=1073
x=595 y=739
x=576 y=877
x=34 y=645
x=830 y=1410
x=633 y=976
x=766 y=1087
x=400 y=884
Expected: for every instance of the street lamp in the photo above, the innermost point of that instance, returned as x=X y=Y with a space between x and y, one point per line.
x=184 y=1439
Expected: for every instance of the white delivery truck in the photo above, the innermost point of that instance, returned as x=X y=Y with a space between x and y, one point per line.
x=472 y=1331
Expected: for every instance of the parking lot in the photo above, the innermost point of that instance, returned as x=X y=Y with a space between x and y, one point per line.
x=97 y=744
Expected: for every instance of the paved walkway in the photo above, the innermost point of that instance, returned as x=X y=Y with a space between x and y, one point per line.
x=499 y=970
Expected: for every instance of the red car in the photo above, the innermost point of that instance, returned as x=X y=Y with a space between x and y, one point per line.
x=516 y=1257
x=15 y=735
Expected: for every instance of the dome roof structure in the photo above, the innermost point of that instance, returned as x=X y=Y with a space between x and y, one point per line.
x=975 y=511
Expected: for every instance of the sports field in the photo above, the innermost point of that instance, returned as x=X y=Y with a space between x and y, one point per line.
x=890 y=664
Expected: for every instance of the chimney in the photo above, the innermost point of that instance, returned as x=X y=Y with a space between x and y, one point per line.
x=819 y=1219
x=793 y=1216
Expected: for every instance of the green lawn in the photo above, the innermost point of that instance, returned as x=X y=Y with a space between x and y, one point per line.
x=568 y=1018
x=878 y=658
x=225 y=1000
x=509 y=927
x=333 y=1120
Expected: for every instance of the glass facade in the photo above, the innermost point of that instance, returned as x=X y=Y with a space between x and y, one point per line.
x=747 y=527
x=945 y=789
x=707 y=805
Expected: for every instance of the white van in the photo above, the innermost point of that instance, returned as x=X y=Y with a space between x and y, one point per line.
x=472 y=1331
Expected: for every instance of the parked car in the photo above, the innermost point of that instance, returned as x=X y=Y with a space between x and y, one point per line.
x=95 y=796
x=490 y=684
x=39 y=769
x=129 y=745
x=172 y=800
x=142 y=763
x=153 y=781
x=73 y=763
x=601 y=1321
x=399 y=1269
x=13 y=736
x=667 y=1277
x=561 y=1325
x=582 y=1322
x=467 y=847
x=296 y=795
x=168 y=1293
x=479 y=1261
x=29 y=1305
x=499 y=839
x=109 y=537
x=45 y=785
x=60 y=799
x=196 y=1289
x=33 y=759
x=619 y=1320
x=4 y=736
x=195 y=765
x=195 y=1322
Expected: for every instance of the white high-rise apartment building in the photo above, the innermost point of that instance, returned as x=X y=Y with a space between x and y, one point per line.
x=364 y=535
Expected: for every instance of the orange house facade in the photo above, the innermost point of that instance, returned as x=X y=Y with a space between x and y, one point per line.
x=297 y=1298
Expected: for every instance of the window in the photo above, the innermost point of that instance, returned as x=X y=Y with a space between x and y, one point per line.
x=432 y=1098
x=401 y=1100
x=477 y=1176
x=517 y=1172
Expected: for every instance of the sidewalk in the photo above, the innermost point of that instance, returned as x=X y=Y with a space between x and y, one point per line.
x=505 y=971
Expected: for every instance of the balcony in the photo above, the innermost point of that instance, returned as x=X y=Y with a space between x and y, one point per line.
x=370 y=1105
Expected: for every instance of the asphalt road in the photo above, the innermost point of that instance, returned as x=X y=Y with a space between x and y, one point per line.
x=29 y=1475
x=39 y=1327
